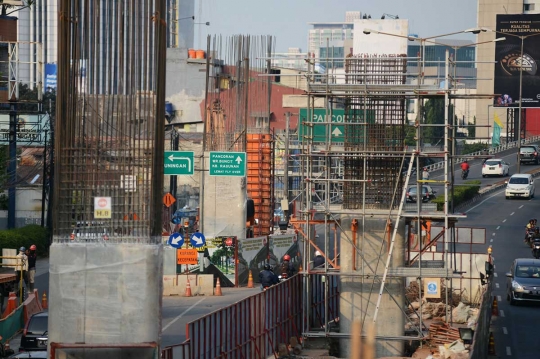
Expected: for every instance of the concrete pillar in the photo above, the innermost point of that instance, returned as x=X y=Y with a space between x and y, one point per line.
x=358 y=295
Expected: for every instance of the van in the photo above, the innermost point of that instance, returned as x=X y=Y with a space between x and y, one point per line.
x=520 y=185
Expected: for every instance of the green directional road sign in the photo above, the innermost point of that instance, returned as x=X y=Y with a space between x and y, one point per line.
x=178 y=163
x=338 y=129
x=228 y=164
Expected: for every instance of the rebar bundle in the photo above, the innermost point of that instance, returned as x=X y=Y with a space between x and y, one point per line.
x=110 y=120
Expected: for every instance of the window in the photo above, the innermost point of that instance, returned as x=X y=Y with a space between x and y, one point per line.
x=528 y=7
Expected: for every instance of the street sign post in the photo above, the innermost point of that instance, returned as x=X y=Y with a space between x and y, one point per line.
x=228 y=164
x=176 y=240
x=178 y=163
x=337 y=129
x=102 y=207
x=197 y=240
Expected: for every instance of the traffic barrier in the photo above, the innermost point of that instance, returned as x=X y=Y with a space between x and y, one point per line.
x=250 y=280
x=36 y=295
x=44 y=303
x=31 y=306
x=495 y=307
x=11 y=304
x=491 y=349
x=217 y=292
x=188 y=290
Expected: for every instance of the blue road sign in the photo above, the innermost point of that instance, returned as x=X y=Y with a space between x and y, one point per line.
x=176 y=240
x=197 y=240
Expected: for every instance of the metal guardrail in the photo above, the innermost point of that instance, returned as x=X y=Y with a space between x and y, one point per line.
x=492 y=150
x=479 y=346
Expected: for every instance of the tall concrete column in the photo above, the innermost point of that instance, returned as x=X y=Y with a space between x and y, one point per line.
x=358 y=295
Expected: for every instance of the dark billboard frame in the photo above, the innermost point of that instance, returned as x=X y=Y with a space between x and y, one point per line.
x=508 y=56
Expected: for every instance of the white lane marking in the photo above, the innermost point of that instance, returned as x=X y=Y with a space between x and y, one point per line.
x=512 y=213
x=499 y=299
x=481 y=203
x=494 y=266
x=498 y=227
x=508 y=351
x=520 y=207
x=501 y=312
x=495 y=275
x=497 y=285
x=505 y=331
x=180 y=316
x=491 y=240
x=493 y=234
x=504 y=220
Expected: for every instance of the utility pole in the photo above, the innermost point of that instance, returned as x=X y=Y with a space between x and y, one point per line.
x=44 y=181
x=12 y=167
x=173 y=180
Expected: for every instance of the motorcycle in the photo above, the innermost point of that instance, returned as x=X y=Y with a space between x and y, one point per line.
x=529 y=233
x=464 y=174
x=536 y=248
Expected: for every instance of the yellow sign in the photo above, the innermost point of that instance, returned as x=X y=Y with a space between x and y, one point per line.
x=102 y=207
x=187 y=256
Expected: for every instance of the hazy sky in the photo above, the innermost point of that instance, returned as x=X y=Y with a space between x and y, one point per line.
x=287 y=19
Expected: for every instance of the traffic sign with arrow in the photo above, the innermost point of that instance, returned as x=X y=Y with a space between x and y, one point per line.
x=227 y=164
x=197 y=240
x=176 y=240
x=178 y=163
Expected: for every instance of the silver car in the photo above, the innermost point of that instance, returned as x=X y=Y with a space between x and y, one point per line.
x=523 y=282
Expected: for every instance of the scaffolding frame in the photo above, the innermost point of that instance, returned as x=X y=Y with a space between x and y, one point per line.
x=366 y=89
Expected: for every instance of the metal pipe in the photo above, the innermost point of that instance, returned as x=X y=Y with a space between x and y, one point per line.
x=446 y=160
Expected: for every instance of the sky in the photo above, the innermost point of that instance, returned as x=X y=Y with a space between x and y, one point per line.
x=287 y=20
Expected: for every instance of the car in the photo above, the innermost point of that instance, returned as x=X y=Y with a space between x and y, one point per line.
x=495 y=167
x=523 y=281
x=35 y=334
x=529 y=154
x=520 y=185
x=427 y=194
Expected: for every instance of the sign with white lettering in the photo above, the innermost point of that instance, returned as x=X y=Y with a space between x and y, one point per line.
x=228 y=164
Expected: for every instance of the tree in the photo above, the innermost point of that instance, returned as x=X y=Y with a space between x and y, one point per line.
x=434 y=114
x=472 y=128
x=8 y=9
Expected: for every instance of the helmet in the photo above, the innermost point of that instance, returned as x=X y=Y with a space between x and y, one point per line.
x=33 y=247
x=286 y=257
x=317 y=253
x=22 y=249
x=267 y=266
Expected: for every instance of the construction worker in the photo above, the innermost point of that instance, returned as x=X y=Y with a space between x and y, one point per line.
x=425 y=174
x=318 y=261
x=21 y=266
x=286 y=270
x=32 y=258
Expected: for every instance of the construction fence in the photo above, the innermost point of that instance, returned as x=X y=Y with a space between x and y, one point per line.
x=480 y=344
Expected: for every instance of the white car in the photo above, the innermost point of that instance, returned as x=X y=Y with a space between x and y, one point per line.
x=520 y=185
x=495 y=167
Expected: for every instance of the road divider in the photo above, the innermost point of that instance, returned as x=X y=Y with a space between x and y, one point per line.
x=199 y=284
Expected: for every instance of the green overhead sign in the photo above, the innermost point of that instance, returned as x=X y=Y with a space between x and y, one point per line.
x=178 y=163
x=228 y=164
x=337 y=129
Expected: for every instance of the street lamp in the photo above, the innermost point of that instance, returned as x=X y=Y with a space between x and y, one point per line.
x=520 y=63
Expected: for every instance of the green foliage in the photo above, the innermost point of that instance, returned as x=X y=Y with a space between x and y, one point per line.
x=434 y=114
x=472 y=128
x=410 y=135
x=25 y=237
x=3 y=202
x=461 y=194
x=473 y=147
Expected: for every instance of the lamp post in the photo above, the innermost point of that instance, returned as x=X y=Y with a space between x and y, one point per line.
x=518 y=62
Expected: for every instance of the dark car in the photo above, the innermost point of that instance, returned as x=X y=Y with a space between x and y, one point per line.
x=35 y=334
x=529 y=154
x=523 y=282
x=427 y=194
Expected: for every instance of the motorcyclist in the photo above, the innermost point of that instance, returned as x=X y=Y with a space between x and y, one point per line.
x=267 y=277
x=286 y=269
x=531 y=224
x=425 y=174
x=465 y=166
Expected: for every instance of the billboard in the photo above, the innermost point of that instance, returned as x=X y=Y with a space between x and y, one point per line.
x=30 y=129
x=379 y=44
x=50 y=77
x=509 y=60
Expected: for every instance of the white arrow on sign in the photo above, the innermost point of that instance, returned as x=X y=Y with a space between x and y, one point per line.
x=197 y=239
x=172 y=158
x=238 y=160
x=176 y=240
x=337 y=132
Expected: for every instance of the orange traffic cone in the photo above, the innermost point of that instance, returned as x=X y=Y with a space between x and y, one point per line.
x=491 y=348
x=44 y=303
x=495 y=307
x=188 y=289
x=250 y=280
x=218 y=288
